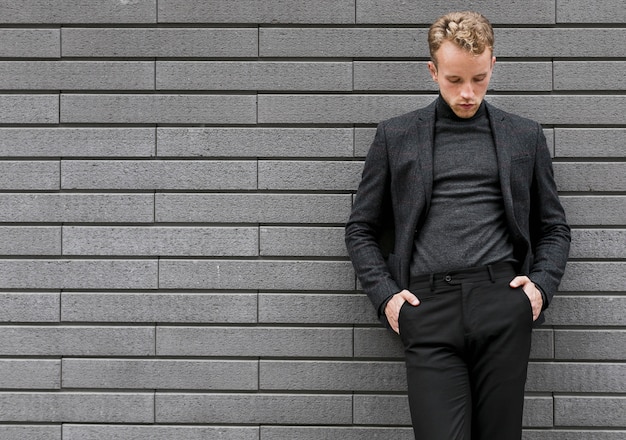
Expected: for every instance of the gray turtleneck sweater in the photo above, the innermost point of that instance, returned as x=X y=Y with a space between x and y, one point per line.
x=465 y=226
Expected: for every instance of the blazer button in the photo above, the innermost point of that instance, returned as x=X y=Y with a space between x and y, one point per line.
x=447 y=278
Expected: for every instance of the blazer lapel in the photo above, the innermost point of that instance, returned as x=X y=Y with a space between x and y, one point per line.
x=424 y=146
x=501 y=138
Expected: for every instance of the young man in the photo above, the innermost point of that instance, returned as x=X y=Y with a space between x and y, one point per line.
x=458 y=237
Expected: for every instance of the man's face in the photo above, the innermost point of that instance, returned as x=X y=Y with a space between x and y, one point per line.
x=463 y=78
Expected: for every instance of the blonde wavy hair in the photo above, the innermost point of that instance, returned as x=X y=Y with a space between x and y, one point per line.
x=469 y=30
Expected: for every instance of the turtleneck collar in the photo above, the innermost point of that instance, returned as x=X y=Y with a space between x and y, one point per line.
x=444 y=111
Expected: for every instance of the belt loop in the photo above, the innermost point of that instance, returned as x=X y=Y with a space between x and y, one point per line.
x=432 y=282
x=490 y=270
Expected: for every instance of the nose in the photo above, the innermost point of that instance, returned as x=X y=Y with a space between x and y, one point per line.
x=467 y=92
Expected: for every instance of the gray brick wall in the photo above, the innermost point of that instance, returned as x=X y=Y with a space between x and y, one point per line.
x=174 y=179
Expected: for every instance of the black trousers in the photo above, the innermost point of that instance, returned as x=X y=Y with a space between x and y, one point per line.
x=467 y=346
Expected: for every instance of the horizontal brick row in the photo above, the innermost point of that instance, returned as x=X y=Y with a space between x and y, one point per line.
x=237 y=274
x=294 y=76
x=368 y=109
x=305 y=42
x=270 y=341
x=288 y=241
x=280 y=375
x=70 y=431
x=248 y=175
x=269 y=308
x=253 y=142
x=241 y=109
x=321 y=12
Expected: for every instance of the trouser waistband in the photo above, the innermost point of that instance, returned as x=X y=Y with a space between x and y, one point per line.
x=454 y=277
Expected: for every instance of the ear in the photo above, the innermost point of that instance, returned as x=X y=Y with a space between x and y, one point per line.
x=493 y=61
x=433 y=70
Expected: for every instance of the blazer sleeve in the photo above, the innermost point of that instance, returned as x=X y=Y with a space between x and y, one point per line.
x=370 y=219
x=549 y=232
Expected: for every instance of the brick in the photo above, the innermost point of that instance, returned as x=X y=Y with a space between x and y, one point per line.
x=268 y=274
x=309 y=175
x=151 y=109
x=76 y=341
x=77 y=75
x=580 y=11
x=590 y=176
x=159 y=307
x=595 y=210
x=594 y=276
x=256 y=75
x=29 y=109
x=414 y=76
x=590 y=411
x=574 y=75
x=336 y=109
x=350 y=433
x=160 y=241
x=85 y=407
x=586 y=310
x=363 y=138
x=254 y=341
x=377 y=343
x=160 y=42
x=565 y=109
x=343 y=42
x=332 y=376
x=78 y=11
x=567 y=434
x=379 y=409
x=538 y=412
x=302 y=241
x=391 y=12
x=31 y=373
x=160 y=374
x=298 y=409
x=598 y=243
x=252 y=208
x=255 y=142
x=590 y=344
x=78 y=274
x=289 y=308
x=30 y=307
x=30 y=43
x=254 y=11
x=589 y=142
x=542 y=346
x=30 y=432
x=158 y=174
x=30 y=240
x=580 y=42
x=68 y=208
x=83 y=142
x=31 y=175
x=155 y=432
x=572 y=377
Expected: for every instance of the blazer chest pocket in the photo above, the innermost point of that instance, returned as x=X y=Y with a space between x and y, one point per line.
x=521 y=172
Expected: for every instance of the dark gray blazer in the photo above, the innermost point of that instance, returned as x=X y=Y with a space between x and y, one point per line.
x=394 y=196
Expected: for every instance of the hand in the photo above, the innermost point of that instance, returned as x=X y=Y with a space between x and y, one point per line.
x=392 y=309
x=531 y=291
